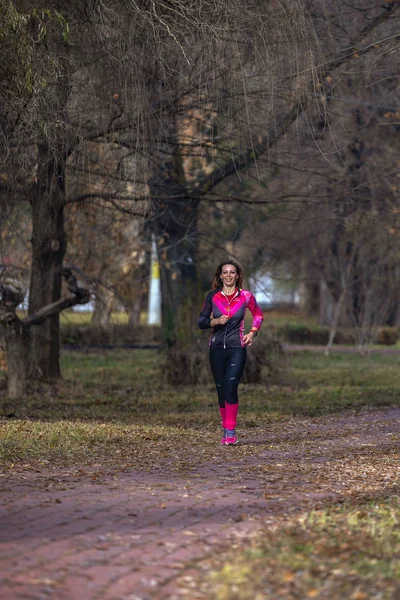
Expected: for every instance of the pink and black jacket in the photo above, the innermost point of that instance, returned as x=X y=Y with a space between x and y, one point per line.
x=231 y=334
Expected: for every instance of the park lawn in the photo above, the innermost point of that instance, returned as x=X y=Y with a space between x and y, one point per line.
x=350 y=549
x=83 y=317
x=112 y=412
x=115 y=404
x=335 y=553
x=290 y=318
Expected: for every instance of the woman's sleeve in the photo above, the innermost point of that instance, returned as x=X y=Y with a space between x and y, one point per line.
x=204 y=317
x=257 y=313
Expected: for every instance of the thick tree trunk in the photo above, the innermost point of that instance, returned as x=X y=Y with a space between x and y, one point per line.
x=103 y=308
x=139 y=289
x=17 y=347
x=335 y=321
x=175 y=228
x=133 y=311
x=310 y=296
x=17 y=331
x=327 y=305
x=48 y=249
x=178 y=275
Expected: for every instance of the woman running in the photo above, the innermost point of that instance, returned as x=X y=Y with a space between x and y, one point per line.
x=227 y=304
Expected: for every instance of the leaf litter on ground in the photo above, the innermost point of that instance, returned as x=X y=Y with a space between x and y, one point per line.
x=329 y=468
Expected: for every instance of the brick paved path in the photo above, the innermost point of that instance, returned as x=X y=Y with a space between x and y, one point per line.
x=139 y=536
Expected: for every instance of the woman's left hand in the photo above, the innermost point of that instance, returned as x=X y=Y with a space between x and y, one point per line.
x=248 y=338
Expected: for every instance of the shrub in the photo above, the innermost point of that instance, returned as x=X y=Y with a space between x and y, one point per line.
x=346 y=336
x=187 y=366
x=191 y=366
x=388 y=336
x=113 y=335
x=264 y=358
x=299 y=334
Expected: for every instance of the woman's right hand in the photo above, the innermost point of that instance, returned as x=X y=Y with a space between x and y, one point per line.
x=221 y=320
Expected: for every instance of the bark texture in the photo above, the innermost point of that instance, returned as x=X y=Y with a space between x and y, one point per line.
x=17 y=348
x=48 y=249
x=175 y=227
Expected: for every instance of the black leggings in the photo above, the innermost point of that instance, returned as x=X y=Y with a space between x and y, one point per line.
x=227 y=366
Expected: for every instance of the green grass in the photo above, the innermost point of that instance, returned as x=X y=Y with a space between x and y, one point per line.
x=290 y=318
x=343 y=551
x=113 y=410
x=345 y=369
x=347 y=552
x=108 y=396
x=72 y=317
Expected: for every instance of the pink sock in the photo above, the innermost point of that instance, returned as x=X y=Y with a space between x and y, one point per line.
x=223 y=415
x=231 y=411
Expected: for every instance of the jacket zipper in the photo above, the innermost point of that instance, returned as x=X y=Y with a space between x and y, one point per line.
x=226 y=325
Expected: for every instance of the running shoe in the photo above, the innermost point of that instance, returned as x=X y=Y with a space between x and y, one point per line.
x=230 y=437
x=223 y=439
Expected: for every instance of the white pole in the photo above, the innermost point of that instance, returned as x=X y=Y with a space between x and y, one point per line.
x=154 y=309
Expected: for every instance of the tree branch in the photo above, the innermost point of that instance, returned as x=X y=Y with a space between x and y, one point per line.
x=246 y=158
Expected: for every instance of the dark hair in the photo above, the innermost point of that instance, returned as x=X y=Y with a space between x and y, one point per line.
x=217 y=277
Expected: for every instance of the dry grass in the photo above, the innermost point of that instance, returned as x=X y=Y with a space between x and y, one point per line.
x=341 y=552
x=116 y=402
x=113 y=410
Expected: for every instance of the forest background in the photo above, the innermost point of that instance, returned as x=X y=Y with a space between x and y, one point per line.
x=266 y=132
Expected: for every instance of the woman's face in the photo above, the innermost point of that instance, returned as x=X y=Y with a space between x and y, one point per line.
x=229 y=275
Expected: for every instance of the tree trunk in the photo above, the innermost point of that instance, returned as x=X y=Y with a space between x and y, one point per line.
x=327 y=305
x=175 y=228
x=310 y=290
x=103 y=308
x=17 y=332
x=133 y=310
x=335 y=321
x=17 y=347
x=48 y=249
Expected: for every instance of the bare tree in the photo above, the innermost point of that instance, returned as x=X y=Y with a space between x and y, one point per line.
x=17 y=331
x=161 y=61
x=132 y=78
x=337 y=167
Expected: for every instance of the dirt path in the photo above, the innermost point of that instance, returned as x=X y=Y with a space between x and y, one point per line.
x=140 y=536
